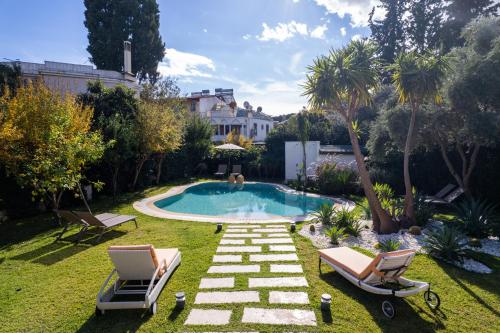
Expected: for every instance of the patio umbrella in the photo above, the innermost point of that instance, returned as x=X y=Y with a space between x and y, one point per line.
x=230 y=149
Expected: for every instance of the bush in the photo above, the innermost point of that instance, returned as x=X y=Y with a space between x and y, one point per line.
x=476 y=217
x=423 y=210
x=336 y=234
x=389 y=245
x=415 y=230
x=349 y=220
x=324 y=214
x=333 y=179
x=367 y=212
x=446 y=243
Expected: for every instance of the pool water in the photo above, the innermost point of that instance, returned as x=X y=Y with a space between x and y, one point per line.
x=255 y=200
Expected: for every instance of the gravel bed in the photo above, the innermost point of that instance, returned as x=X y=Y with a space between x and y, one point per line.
x=368 y=239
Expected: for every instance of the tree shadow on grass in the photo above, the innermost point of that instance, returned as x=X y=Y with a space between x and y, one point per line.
x=406 y=316
x=116 y=321
x=57 y=251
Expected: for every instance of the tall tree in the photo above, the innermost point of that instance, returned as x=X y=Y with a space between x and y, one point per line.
x=197 y=141
x=10 y=78
x=389 y=32
x=424 y=24
x=461 y=12
x=46 y=141
x=303 y=131
x=341 y=83
x=110 y=22
x=417 y=79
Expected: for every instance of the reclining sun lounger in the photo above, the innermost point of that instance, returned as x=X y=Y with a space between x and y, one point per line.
x=221 y=171
x=236 y=170
x=103 y=222
x=445 y=197
x=142 y=272
x=380 y=275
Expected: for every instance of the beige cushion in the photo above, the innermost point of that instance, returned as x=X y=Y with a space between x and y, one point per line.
x=166 y=254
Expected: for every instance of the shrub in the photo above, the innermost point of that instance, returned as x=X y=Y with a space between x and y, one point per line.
x=476 y=217
x=336 y=234
x=446 y=243
x=383 y=191
x=389 y=245
x=349 y=220
x=333 y=179
x=415 y=230
x=367 y=212
x=324 y=214
x=312 y=228
x=423 y=210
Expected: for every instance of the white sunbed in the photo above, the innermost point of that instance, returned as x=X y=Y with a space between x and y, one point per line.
x=141 y=273
x=381 y=275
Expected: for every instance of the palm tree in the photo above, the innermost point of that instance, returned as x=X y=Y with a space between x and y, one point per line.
x=417 y=79
x=342 y=82
x=303 y=129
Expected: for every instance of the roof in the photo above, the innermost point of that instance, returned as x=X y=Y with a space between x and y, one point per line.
x=335 y=149
x=257 y=115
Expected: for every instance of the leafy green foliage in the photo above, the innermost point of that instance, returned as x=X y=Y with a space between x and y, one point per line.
x=333 y=179
x=349 y=220
x=477 y=217
x=335 y=234
x=10 y=78
x=389 y=245
x=197 y=141
x=324 y=214
x=446 y=243
x=109 y=23
x=423 y=210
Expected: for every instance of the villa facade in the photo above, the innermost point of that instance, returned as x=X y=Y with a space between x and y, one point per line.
x=226 y=116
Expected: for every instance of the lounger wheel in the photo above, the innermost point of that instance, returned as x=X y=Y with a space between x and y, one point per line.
x=432 y=299
x=152 y=308
x=99 y=312
x=388 y=309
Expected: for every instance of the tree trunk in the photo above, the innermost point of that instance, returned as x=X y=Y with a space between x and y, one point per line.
x=56 y=200
x=114 y=174
x=409 y=209
x=304 y=164
x=382 y=221
x=83 y=198
x=138 y=169
x=161 y=158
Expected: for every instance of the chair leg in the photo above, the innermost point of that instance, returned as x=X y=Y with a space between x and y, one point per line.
x=100 y=235
x=319 y=265
x=62 y=232
x=80 y=234
x=136 y=226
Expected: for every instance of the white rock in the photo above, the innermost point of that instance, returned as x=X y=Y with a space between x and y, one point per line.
x=213 y=283
x=279 y=316
x=208 y=317
x=234 y=269
x=288 y=297
x=227 y=297
x=277 y=282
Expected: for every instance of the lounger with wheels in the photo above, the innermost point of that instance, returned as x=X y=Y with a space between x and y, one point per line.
x=103 y=222
x=221 y=171
x=381 y=275
x=140 y=273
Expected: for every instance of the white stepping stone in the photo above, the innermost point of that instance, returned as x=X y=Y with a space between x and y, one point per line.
x=208 y=317
x=241 y=235
x=269 y=230
x=213 y=283
x=227 y=258
x=274 y=257
x=232 y=241
x=231 y=226
x=276 y=226
x=278 y=235
x=272 y=241
x=236 y=230
x=234 y=269
x=227 y=297
x=286 y=268
x=239 y=249
x=284 y=248
x=288 y=297
x=277 y=282
x=279 y=316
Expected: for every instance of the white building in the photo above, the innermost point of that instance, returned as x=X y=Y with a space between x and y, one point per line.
x=226 y=117
x=73 y=78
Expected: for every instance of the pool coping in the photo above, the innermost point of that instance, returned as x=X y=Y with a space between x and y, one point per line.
x=146 y=206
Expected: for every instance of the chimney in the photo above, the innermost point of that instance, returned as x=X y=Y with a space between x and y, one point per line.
x=127 y=57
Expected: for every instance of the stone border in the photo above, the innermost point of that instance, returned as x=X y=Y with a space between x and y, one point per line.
x=146 y=206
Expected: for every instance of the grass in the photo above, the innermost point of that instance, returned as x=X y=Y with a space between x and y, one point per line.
x=51 y=287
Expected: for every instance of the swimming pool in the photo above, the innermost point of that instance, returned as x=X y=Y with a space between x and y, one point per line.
x=253 y=201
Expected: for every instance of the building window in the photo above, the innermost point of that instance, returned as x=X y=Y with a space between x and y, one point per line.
x=254 y=130
x=227 y=130
x=221 y=129
x=267 y=128
x=193 y=106
x=215 y=129
x=262 y=127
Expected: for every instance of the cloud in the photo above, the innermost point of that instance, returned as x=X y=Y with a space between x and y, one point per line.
x=319 y=31
x=247 y=36
x=356 y=37
x=343 y=31
x=178 y=63
x=282 y=31
x=358 y=10
x=205 y=30
x=294 y=62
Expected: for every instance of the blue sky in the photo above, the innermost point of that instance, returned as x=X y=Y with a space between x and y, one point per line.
x=258 y=47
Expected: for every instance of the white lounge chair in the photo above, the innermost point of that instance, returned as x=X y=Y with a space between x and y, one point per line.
x=141 y=273
x=221 y=171
x=380 y=275
x=236 y=170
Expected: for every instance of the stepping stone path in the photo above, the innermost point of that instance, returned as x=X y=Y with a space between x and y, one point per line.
x=256 y=271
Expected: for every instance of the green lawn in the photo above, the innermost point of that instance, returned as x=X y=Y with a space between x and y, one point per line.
x=51 y=287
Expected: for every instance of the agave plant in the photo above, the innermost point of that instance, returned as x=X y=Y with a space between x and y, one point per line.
x=476 y=217
x=349 y=220
x=366 y=210
x=336 y=234
x=446 y=243
x=324 y=214
x=389 y=245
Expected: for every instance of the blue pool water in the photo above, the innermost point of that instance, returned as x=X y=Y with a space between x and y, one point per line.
x=255 y=201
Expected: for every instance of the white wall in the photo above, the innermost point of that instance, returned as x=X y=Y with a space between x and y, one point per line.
x=344 y=160
x=294 y=156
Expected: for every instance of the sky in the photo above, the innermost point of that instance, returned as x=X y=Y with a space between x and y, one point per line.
x=260 y=48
